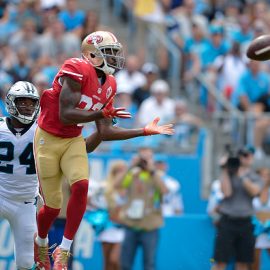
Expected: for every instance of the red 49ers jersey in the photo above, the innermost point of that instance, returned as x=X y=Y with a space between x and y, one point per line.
x=93 y=96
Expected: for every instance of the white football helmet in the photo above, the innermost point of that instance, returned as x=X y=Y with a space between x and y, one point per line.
x=18 y=90
x=103 y=51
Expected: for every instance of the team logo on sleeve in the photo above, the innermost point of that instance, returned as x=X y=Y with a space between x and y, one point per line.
x=94 y=39
x=109 y=92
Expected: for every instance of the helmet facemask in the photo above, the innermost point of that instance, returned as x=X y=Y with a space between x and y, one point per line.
x=113 y=59
x=22 y=90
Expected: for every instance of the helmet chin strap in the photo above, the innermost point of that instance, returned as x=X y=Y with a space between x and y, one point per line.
x=103 y=67
x=107 y=70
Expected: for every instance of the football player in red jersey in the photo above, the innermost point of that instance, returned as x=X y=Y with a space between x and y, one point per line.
x=83 y=91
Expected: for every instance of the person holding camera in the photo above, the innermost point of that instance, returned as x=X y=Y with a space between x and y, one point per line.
x=234 y=237
x=141 y=215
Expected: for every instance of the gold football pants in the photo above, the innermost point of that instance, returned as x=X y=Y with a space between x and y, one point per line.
x=56 y=157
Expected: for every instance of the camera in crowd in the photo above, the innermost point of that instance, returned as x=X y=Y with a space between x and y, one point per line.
x=142 y=163
x=233 y=161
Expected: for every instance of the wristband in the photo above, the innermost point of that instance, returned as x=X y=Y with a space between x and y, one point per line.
x=145 y=132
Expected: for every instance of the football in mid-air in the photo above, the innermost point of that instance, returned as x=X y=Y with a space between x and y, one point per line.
x=259 y=48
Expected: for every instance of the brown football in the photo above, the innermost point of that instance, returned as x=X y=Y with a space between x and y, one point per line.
x=259 y=48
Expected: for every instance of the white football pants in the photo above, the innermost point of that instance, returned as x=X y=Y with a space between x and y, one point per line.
x=22 y=219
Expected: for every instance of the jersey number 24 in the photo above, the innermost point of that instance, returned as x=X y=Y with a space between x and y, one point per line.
x=25 y=158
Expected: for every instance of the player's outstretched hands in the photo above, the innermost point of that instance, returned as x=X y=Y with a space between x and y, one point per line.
x=116 y=112
x=153 y=128
x=110 y=112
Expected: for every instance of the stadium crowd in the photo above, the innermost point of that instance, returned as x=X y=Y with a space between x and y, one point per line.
x=211 y=36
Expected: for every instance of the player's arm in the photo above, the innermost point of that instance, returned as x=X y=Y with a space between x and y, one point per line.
x=108 y=132
x=70 y=97
x=92 y=142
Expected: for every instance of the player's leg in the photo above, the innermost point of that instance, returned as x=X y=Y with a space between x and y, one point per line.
x=106 y=250
x=224 y=243
x=48 y=150
x=129 y=248
x=75 y=168
x=8 y=211
x=23 y=225
x=149 y=241
x=257 y=259
x=245 y=245
x=74 y=164
x=115 y=256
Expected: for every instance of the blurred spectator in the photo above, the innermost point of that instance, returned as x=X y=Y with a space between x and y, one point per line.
x=8 y=22
x=194 y=48
x=141 y=93
x=260 y=10
x=252 y=95
x=172 y=25
x=41 y=82
x=232 y=10
x=158 y=104
x=20 y=71
x=112 y=236
x=185 y=124
x=147 y=15
x=56 y=42
x=131 y=75
x=142 y=214
x=253 y=84
x=30 y=10
x=48 y=15
x=239 y=185
x=244 y=33
x=185 y=15
x=26 y=38
x=72 y=17
x=216 y=46
x=8 y=57
x=173 y=34
x=262 y=221
x=230 y=68
x=172 y=202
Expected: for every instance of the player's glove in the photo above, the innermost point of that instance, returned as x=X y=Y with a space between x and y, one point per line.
x=111 y=112
x=153 y=128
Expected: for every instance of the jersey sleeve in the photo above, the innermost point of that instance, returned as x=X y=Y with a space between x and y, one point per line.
x=73 y=69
